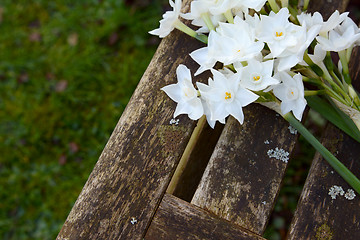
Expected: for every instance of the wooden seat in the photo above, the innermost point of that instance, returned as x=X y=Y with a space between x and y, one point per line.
x=157 y=180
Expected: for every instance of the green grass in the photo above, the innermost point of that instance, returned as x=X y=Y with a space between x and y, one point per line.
x=67 y=71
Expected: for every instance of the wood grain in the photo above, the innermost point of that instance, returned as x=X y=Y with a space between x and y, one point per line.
x=179 y=220
x=327 y=7
x=241 y=181
x=197 y=162
x=139 y=159
x=318 y=216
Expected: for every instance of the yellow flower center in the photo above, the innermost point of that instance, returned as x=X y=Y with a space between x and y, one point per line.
x=188 y=92
x=279 y=34
x=228 y=95
x=256 y=78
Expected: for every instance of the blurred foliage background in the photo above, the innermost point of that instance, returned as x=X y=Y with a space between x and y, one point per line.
x=67 y=71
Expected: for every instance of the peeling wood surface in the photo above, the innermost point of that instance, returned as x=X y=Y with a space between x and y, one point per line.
x=318 y=216
x=241 y=181
x=198 y=159
x=327 y=7
x=137 y=163
x=177 y=219
x=354 y=67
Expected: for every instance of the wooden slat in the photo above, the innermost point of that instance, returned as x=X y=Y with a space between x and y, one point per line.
x=241 y=181
x=198 y=158
x=327 y=7
x=318 y=216
x=177 y=219
x=137 y=163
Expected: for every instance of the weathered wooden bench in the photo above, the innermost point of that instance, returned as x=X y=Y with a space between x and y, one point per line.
x=156 y=180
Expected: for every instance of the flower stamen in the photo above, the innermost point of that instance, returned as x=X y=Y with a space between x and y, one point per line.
x=256 y=78
x=279 y=34
x=228 y=95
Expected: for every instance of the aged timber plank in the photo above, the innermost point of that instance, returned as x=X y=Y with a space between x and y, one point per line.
x=318 y=216
x=137 y=163
x=241 y=181
x=177 y=219
x=327 y=7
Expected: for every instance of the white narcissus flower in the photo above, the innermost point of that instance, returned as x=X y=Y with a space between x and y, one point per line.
x=206 y=57
x=278 y=32
x=316 y=19
x=235 y=42
x=185 y=95
x=169 y=21
x=231 y=43
x=341 y=34
x=291 y=93
x=236 y=6
x=341 y=38
x=294 y=55
x=287 y=41
x=225 y=96
x=258 y=75
x=200 y=8
x=207 y=112
x=318 y=56
x=334 y=20
x=199 y=22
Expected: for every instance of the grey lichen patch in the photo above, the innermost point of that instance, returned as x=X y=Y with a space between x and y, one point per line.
x=279 y=154
x=170 y=137
x=324 y=232
x=174 y=121
x=292 y=130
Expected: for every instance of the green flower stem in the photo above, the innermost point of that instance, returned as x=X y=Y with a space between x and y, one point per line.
x=313 y=81
x=208 y=22
x=293 y=16
x=231 y=67
x=313 y=92
x=229 y=16
x=328 y=62
x=274 y=6
x=306 y=4
x=184 y=28
x=326 y=74
x=333 y=94
x=348 y=53
x=354 y=96
x=312 y=65
x=202 y=38
x=345 y=66
x=337 y=88
x=263 y=11
x=284 y=3
x=308 y=72
x=338 y=81
x=340 y=168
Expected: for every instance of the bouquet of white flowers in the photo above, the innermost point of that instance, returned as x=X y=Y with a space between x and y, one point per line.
x=266 y=53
